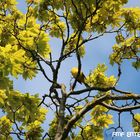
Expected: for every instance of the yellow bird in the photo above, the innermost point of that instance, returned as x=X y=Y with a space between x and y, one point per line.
x=81 y=78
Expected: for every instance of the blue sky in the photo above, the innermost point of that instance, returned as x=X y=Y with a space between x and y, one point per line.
x=97 y=51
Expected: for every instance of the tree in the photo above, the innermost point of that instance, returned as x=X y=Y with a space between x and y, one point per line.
x=25 y=51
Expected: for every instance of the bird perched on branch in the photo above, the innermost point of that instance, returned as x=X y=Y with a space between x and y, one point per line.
x=80 y=78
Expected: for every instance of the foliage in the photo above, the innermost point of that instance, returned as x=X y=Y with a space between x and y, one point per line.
x=98 y=78
x=136 y=122
x=22 y=109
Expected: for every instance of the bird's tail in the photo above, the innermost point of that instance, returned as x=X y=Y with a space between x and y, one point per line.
x=85 y=83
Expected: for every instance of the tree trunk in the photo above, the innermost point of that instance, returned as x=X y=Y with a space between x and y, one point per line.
x=61 y=114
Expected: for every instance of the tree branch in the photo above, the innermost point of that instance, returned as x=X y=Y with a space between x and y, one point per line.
x=92 y=104
x=120 y=109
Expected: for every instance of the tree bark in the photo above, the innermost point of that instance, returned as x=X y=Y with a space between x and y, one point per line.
x=61 y=114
